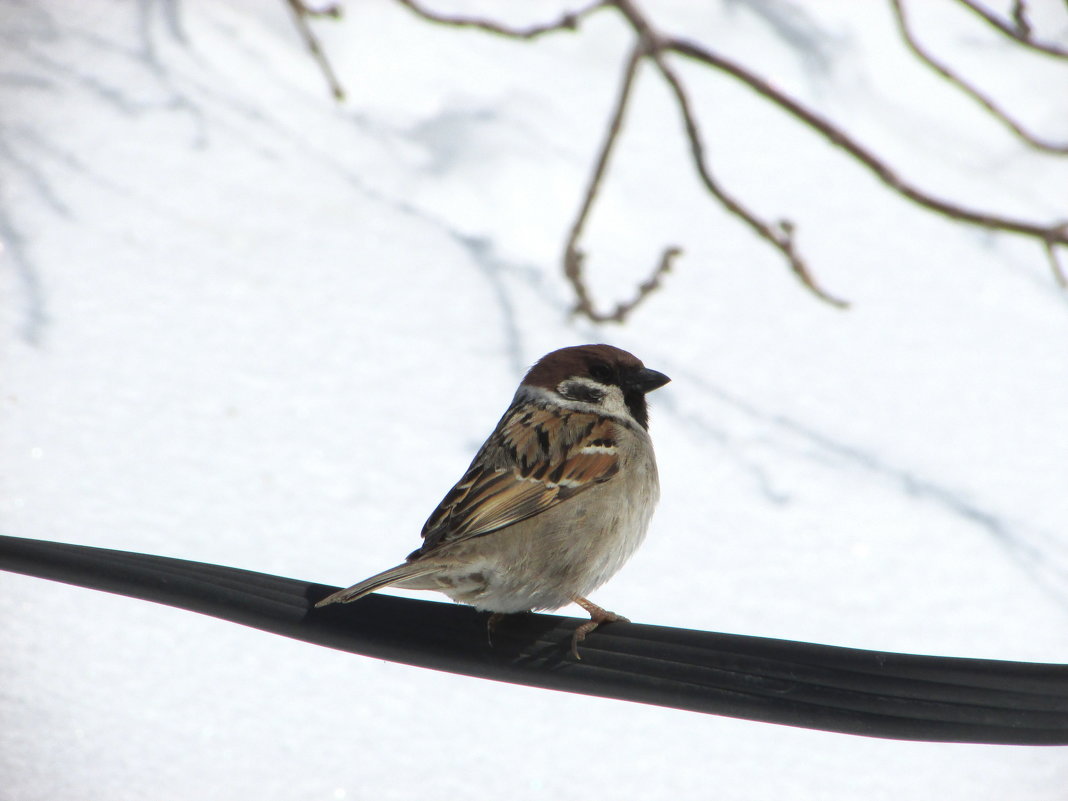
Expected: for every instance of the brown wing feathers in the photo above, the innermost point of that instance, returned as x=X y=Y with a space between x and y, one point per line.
x=538 y=458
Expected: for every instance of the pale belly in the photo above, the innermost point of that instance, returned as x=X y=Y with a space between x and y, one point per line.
x=545 y=562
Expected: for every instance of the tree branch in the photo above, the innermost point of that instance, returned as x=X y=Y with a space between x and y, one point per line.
x=1051 y=235
x=575 y=257
x=1054 y=260
x=1019 y=17
x=569 y=21
x=653 y=45
x=780 y=236
x=301 y=13
x=941 y=69
x=1019 y=31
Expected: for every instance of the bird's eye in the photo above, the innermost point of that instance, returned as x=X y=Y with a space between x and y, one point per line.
x=601 y=372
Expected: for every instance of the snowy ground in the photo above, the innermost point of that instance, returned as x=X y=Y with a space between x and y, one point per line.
x=242 y=324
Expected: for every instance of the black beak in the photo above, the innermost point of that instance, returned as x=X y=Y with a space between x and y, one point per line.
x=646 y=380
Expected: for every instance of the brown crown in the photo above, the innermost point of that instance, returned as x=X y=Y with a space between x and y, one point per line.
x=579 y=361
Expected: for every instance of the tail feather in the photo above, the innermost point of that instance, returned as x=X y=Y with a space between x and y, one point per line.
x=386 y=578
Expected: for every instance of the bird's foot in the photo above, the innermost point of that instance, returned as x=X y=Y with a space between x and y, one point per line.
x=597 y=617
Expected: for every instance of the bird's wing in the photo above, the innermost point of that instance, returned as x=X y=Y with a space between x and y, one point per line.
x=538 y=457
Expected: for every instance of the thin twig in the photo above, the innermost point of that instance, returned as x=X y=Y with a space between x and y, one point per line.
x=574 y=257
x=1054 y=260
x=779 y=236
x=569 y=21
x=615 y=125
x=1021 y=34
x=1019 y=18
x=623 y=309
x=995 y=111
x=301 y=12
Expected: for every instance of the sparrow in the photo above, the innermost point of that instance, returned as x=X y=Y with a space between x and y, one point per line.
x=555 y=501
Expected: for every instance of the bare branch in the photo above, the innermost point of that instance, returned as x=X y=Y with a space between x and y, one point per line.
x=1019 y=18
x=779 y=236
x=1054 y=260
x=331 y=10
x=1019 y=30
x=653 y=45
x=1055 y=234
x=569 y=21
x=995 y=111
x=574 y=257
x=615 y=125
x=301 y=12
x=574 y=264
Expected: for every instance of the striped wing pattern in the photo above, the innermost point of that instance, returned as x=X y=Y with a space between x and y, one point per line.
x=539 y=456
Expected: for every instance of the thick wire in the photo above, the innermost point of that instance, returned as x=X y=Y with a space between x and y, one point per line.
x=869 y=693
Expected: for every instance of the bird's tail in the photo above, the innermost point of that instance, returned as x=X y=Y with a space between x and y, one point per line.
x=401 y=574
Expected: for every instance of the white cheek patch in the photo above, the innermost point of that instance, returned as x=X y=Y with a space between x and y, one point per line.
x=585 y=394
x=614 y=404
x=610 y=404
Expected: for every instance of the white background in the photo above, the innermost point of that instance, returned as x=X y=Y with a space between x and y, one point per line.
x=243 y=324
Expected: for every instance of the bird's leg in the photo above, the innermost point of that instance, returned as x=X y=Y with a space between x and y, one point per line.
x=491 y=624
x=597 y=617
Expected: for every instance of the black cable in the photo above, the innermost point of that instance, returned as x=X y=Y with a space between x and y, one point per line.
x=889 y=695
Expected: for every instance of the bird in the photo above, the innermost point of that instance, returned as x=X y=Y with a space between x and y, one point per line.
x=555 y=501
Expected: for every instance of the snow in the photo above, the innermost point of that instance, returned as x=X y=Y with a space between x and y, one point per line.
x=244 y=325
